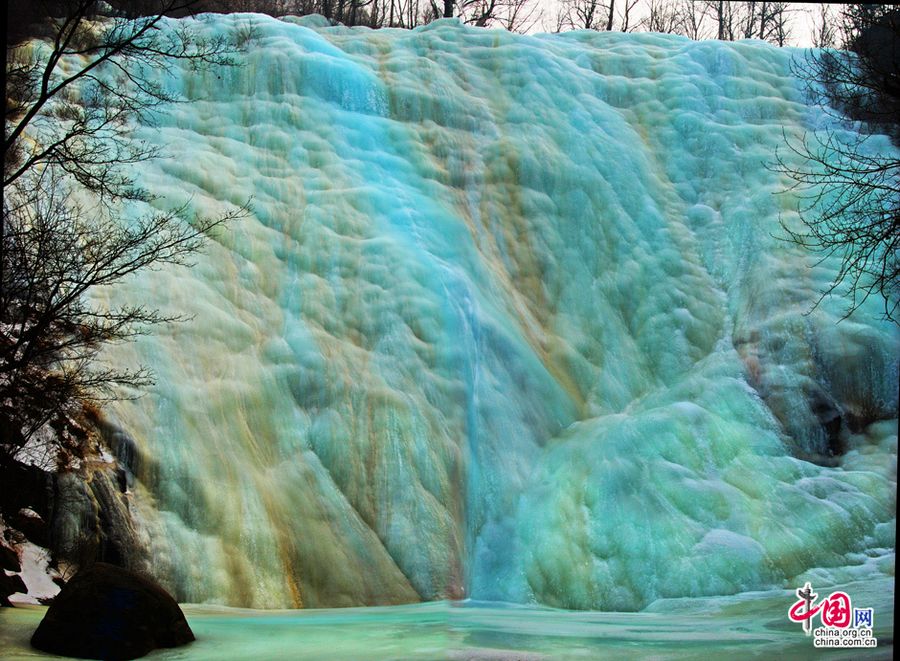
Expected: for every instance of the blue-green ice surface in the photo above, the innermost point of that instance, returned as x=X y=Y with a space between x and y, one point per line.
x=509 y=321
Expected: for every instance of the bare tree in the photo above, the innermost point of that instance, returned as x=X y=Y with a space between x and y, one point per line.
x=626 y=16
x=520 y=15
x=56 y=252
x=597 y=15
x=717 y=11
x=744 y=20
x=733 y=20
x=767 y=21
x=479 y=13
x=86 y=134
x=71 y=100
x=848 y=189
x=514 y=15
x=693 y=19
x=663 y=16
x=581 y=15
x=780 y=24
x=747 y=16
x=824 y=29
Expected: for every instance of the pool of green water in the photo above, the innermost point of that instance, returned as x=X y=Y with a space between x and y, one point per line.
x=750 y=625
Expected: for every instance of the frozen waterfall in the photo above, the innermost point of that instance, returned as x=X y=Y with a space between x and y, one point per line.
x=508 y=321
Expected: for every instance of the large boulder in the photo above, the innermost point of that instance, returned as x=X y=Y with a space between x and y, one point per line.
x=9 y=560
x=9 y=585
x=106 y=612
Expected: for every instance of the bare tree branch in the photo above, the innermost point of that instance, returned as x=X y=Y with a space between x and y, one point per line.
x=72 y=100
x=847 y=189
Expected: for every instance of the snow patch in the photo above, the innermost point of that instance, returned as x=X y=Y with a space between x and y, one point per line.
x=36 y=574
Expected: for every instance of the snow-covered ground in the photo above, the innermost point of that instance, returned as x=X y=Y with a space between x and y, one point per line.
x=36 y=575
x=34 y=569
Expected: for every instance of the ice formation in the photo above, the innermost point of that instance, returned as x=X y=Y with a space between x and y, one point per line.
x=509 y=321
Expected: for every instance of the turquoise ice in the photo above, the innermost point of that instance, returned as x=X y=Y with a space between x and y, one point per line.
x=509 y=321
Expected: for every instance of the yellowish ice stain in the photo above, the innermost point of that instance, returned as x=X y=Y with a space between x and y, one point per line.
x=285 y=551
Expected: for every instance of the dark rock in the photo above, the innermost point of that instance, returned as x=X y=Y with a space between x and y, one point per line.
x=123 y=447
x=25 y=486
x=11 y=431
x=106 y=612
x=829 y=416
x=32 y=525
x=10 y=585
x=92 y=523
x=9 y=559
x=122 y=479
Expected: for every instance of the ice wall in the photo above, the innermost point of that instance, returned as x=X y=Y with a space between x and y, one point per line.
x=507 y=322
